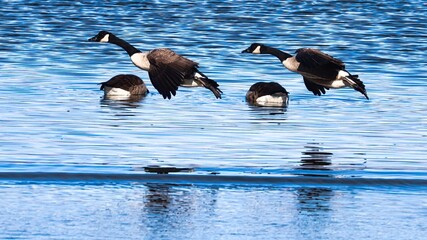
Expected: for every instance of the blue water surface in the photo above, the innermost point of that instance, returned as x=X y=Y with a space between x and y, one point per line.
x=54 y=120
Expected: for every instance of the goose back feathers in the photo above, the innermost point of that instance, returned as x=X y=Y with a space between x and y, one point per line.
x=267 y=94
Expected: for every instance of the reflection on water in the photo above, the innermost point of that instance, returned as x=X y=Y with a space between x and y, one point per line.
x=313 y=211
x=315 y=158
x=132 y=101
x=267 y=110
x=313 y=200
x=165 y=169
x=122 y=109
x=157 y=198
x=276 y=115
x=166 y=209
x=129 y=99
x=315 y=161
x=159 y=211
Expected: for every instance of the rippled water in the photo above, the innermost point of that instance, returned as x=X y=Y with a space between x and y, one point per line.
x=55 y=120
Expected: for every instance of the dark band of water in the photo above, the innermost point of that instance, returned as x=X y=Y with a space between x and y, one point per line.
x=206 y=179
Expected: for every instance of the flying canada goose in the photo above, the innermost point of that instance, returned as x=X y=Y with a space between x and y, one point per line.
x=267 y=94
x=166 y=69
x=124 y=85
x=319 y=70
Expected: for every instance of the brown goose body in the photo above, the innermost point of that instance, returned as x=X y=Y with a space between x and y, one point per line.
x=124 y=85
x=268 y=94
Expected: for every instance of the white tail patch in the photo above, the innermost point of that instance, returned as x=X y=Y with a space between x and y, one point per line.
x=272 y=100
x=338 y=84
x=190 y=83
x=342 y=74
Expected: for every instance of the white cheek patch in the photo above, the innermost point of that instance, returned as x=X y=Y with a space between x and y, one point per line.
x=105 y=38
x=257 y=50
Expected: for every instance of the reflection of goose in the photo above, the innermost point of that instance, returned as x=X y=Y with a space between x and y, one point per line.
x=315 y=161
x=315 y=158
x=166 y=69
x=314 y=200
x=158 y=197
x=124 y=86
x=267 y=94
x=320 y=71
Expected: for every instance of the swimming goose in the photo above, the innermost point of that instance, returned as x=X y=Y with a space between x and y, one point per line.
x=320 y=71
x=124 y=85
x=267 y=94
x=166 y=69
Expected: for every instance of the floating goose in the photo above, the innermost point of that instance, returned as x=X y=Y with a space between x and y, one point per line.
x=319 y=70
x=166 y=69
x=267 y=94
x=124 y=85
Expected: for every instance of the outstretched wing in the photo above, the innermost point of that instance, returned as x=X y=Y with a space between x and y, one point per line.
x=167 y=70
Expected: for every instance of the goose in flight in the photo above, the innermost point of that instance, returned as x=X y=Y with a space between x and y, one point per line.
x=319 y=70
x=167 y=70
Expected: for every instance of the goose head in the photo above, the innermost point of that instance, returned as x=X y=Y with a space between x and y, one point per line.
x=255 y=48
x=102 y=36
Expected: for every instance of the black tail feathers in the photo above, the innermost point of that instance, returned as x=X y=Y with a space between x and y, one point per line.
x=358 y=85
x=209 y=84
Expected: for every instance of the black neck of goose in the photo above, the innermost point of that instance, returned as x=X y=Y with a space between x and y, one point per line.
x=131 y=50
x=282 y=56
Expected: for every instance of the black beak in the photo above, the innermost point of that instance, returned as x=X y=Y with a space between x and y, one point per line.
x=246 y=50
x=93 y=39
